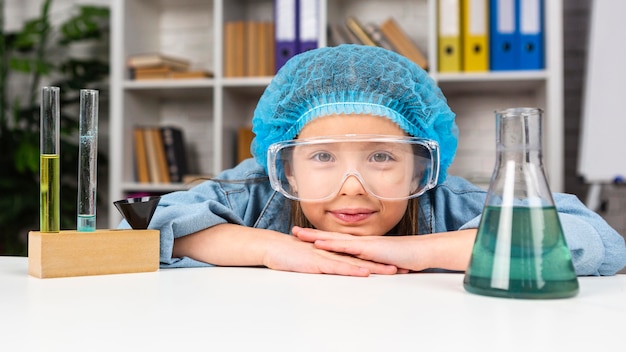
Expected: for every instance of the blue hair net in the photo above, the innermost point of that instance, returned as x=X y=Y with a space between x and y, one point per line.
x=353 y=79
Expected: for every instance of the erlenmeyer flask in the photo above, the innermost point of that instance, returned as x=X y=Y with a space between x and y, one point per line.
x=520 y=250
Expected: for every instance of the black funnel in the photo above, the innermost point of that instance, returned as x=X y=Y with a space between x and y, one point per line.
x=138 y=211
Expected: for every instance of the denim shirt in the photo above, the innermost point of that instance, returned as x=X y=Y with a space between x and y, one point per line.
x=246 y=198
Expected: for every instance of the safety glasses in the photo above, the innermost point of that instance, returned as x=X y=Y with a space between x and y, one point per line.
x=388 y=167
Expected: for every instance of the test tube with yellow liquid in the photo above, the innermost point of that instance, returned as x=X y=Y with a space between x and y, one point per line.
x=49 y=170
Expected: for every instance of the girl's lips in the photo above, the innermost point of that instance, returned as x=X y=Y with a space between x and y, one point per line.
x=352 y=215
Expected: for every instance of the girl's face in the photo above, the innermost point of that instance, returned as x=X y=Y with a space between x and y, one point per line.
x=353 y=210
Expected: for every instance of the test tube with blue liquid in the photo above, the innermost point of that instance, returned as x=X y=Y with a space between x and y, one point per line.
x=87 y=162
x=49 y=158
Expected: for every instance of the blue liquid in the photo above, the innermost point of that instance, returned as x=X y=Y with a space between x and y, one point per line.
x=530 y=261
x=86 y=223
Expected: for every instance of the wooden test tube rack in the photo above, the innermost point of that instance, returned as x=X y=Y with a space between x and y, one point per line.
x=73 y=253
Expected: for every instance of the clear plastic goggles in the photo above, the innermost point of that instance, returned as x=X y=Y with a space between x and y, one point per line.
x=388 y=167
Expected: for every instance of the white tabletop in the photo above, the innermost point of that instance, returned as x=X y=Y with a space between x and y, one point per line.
x=245 y=309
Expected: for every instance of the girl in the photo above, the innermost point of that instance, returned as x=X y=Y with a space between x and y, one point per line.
x=351 y=151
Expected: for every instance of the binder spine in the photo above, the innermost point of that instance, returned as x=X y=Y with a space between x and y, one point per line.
x=449 y=36
x=531 y=50
x=475 y=35
x=504 y=37
x=286 y=30
x=308 y=32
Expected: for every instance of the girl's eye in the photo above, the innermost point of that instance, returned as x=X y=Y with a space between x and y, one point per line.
x=323 y=157
x=381 y=157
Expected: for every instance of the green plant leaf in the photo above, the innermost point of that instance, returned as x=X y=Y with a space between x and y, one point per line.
x=30 y=65
x=43 y=67
x=27 y=157
x=21 y=64
x=31 y=34
x=86 y=25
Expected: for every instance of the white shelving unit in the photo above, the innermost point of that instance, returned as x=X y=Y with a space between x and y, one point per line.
x=211 y=110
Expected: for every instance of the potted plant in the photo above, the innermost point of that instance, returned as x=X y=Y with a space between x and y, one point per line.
x=39 y=54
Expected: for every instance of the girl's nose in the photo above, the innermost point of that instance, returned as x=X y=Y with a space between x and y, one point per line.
x=352 y=186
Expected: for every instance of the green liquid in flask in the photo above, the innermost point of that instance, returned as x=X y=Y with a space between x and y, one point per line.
x=530 y=261
x=50 y=183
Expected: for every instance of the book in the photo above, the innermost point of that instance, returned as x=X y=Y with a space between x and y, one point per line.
x=160 y=72
x=402 y=43
x=266 y=49
x=235 y=49
x=379 y=39
x=336 y=36
x=259 y=49
x=161 y=159
x=229 y=49
x=270 y=68
x=175 y=152
x=160 y=154
x=151 y=155
x=252 y=44
x=190 y=74
x=350 y=36
x=244 y=139
x=359 y=31
x=249 y=49
x=142 y=173
x=239 y=60
x=158 y=60
x=166 y=73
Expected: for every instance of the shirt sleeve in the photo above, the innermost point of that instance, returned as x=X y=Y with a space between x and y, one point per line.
x=244 y=198
x=185 y=212
x=596 y=248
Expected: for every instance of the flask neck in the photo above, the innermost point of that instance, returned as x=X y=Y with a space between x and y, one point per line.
x=519 y=131
x=519 y=177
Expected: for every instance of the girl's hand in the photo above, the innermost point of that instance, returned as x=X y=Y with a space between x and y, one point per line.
x=293 y=254
x=236 y=245
x=380 y=249
x=450 y=250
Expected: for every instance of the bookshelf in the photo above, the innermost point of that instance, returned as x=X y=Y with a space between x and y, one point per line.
x=210 y=111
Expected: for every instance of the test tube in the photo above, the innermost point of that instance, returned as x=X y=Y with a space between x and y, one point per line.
x=87 y=161
x=49 y=160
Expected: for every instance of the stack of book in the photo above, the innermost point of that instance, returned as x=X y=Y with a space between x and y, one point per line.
x=160 y=154
x=388 y=35
x=160 y=66
x=249 y=49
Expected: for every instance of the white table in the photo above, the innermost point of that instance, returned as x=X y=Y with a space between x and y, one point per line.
x=256 y=309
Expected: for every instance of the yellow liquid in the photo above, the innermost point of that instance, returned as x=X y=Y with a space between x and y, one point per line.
x=50 y=175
